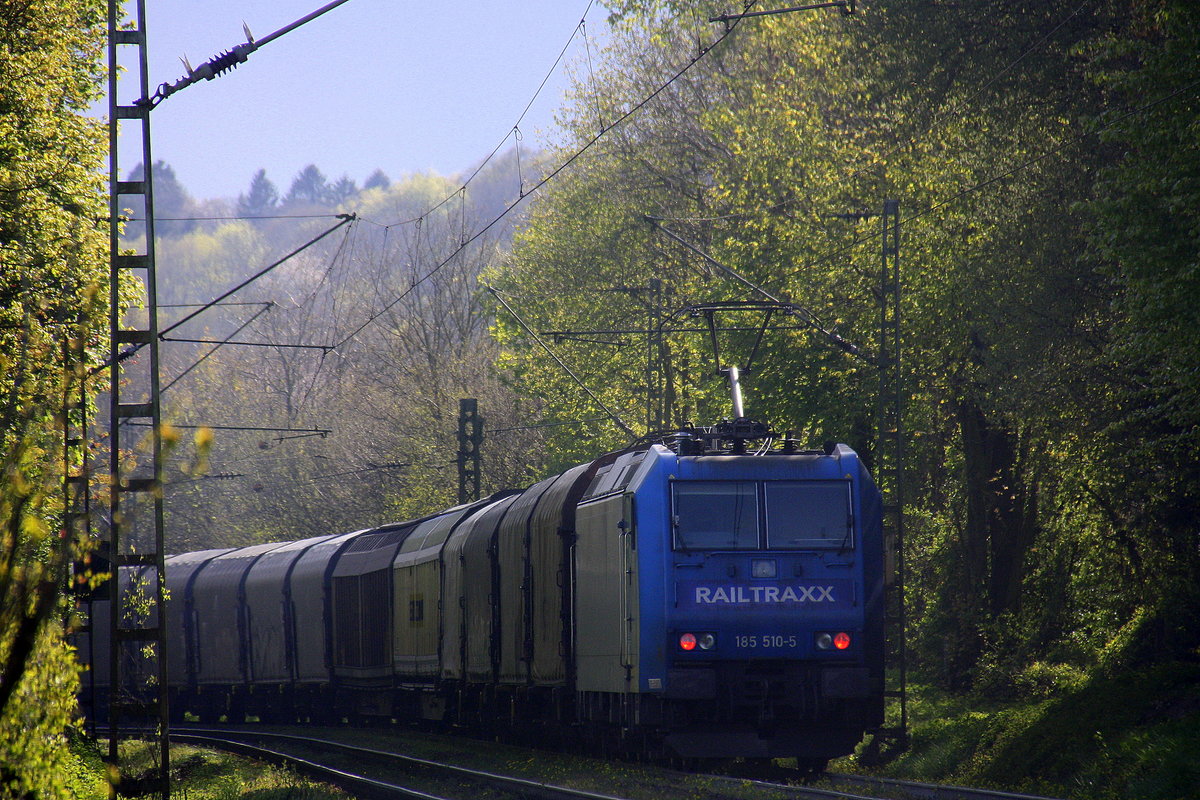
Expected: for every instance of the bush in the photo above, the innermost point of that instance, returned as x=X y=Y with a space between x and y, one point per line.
x=36 y=757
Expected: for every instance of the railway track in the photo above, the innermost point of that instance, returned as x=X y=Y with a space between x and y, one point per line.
x=370 y=772
x=925 y=791
x=869 y=787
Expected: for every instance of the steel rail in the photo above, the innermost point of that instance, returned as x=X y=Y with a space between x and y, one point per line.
x=358 y=785
x=934 y=791
x=885 y=787
x=522 y=787
x=882 y=788
x=799 y=792
x=365 y=786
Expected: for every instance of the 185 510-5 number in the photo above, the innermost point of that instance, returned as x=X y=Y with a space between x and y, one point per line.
x=772 y=641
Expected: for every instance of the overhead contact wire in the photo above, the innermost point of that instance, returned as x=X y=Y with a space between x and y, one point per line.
x=266 y=307
x=552 y=174
x=603 y=407
x=520 y=118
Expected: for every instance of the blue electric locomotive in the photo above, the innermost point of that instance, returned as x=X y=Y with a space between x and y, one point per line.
x=738 y=598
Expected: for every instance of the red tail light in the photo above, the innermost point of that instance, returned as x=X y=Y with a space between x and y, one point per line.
x=687 y=641
x=833 y=641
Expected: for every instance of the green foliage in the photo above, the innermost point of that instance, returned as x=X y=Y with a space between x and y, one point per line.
x=1044 y=158
x=35 y=757
x=1145 y=225
x=53 y=285
x=209 y=775
x=1112 y=750
x=52 y=210
x=1131 y=735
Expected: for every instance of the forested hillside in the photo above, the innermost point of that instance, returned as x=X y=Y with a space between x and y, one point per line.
x=331 y=383
x=1044 y=157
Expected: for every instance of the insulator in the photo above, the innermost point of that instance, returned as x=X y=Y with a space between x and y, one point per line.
x=229 y=59
x=126 y=354
x=225 y=62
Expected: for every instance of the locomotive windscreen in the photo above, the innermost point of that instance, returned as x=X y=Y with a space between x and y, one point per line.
x=752 y=515
x=716 y=515
x=808 y=514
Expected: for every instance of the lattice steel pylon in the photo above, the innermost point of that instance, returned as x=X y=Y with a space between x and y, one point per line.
x=889 y=463
x=137 y=668
x=76 y=528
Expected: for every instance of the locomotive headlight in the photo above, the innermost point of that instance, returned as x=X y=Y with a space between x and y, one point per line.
x=763 y=568
x=824 y=641
x=702 y=641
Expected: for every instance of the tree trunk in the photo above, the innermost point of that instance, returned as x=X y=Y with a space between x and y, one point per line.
x=1001 y=509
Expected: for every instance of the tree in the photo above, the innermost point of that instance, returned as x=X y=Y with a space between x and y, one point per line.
x=342 y=190
x=389 y=393
x=377 y=180
x=1144 y=228
x=261 y=199
x=172 y=203
x=53 y=281
x=699 y=156
x=766 y=153
x=308 y=188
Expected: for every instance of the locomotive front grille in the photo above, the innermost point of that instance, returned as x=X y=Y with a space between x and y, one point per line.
x=766 y=693
x=758 y=693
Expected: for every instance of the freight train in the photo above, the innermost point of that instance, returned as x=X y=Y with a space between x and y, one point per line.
x=694 y=599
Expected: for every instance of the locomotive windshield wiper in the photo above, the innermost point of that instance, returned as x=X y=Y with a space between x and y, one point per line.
x=846 y=545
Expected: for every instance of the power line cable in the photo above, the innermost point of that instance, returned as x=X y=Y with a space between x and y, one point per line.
x=266 y=307
x=322 y=432
x=845 y=5
x=632 y=110
x=344 y=219
x=223 y=305
x=233 y=218
x=581 y=26
x=611 y=414
x=314 y=479
x=162 y=335
x=333 y=299
x=337 y=254
x=324 y=348
x=541 y=425
x=812 y=319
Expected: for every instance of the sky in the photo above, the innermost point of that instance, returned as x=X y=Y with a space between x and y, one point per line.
x=399 y=86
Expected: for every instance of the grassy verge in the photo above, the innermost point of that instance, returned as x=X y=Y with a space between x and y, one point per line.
x=212 y=775
x=199 y=774
x=1133 y=735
